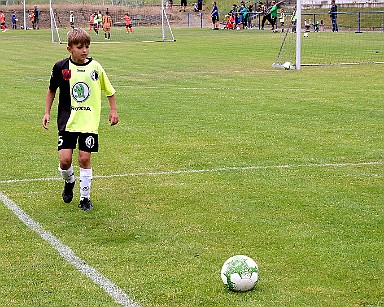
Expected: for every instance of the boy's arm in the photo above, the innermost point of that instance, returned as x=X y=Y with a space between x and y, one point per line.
x=48 y=105
x=113 y=116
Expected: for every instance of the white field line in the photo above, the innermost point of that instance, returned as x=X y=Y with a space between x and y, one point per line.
x=243 y=89
x=213 y=170
x=65 y=251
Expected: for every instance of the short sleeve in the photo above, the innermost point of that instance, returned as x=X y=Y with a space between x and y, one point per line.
x=54 y=82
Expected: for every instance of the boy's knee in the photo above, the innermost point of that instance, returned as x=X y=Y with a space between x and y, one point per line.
x=84 y=159
x=65 y=163
x=65 y=158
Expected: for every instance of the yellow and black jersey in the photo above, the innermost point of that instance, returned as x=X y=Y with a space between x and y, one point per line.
x=80 y=94
x=107 y=21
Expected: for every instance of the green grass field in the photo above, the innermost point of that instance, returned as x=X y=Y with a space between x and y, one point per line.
x=216 y=154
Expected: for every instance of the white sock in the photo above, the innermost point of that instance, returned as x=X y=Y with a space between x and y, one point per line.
x=85 y=183
x=67 y=174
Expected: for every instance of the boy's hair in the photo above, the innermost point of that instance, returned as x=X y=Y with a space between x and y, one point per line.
x=78 y=36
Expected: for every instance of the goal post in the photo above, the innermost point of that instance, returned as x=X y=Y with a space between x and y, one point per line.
x=359 y=39
x=145 y=22
x=54 y=29
x=298 y=35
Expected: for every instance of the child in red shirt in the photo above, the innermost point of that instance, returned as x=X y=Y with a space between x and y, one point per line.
x=128 y=24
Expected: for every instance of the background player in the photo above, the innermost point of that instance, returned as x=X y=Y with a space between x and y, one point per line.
x=128 y=23
x=2 y=22
x=107 y=23
x=72 y=19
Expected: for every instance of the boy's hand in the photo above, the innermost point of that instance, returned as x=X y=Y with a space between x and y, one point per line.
x=113 y=117
x=45 y=121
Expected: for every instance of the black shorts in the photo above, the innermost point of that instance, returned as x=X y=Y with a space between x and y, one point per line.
x=88 y=142
x=183 y=3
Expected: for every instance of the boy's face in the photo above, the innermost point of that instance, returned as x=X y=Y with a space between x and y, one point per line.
x=79 y=53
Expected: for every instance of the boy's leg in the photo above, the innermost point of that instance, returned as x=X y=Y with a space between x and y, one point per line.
x=85 y=183
x=66 y=172
x=85 y=174
x=88 y=143
x=85 y=180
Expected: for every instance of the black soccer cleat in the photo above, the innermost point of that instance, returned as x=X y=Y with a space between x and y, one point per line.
x=86 y=204
x=68 y=192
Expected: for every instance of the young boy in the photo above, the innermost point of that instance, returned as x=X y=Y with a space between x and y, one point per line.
x=81 y=80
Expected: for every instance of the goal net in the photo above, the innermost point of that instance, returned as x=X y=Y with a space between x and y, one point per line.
x=131 y=20
x=359 y=39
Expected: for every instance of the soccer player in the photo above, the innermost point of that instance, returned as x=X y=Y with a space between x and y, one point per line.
x=71 y=19
x=94 y=23
x=81 y=81
x=36 y=15
x=2 y=22
x=128 y=24
x=99 y=19
x=14 y=20
x=107 y=22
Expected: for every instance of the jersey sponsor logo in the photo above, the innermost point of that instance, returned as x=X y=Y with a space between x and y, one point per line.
x=95 y=75
x=80 y=92
x=66 y=74
x=81 y=108
x=90 y=141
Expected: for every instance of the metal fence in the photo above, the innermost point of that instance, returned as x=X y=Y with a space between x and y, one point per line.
x=320 y=21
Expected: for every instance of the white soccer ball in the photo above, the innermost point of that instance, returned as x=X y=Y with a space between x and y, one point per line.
x=240 y=273
x=305 y=34
x=287 y=65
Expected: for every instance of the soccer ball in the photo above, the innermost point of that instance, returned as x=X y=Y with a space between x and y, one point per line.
x=305 y=34
x=287 y=65
x=240 y=273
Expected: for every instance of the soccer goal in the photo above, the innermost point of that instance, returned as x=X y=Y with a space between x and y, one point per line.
x=311 y=42
x=131 y=20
